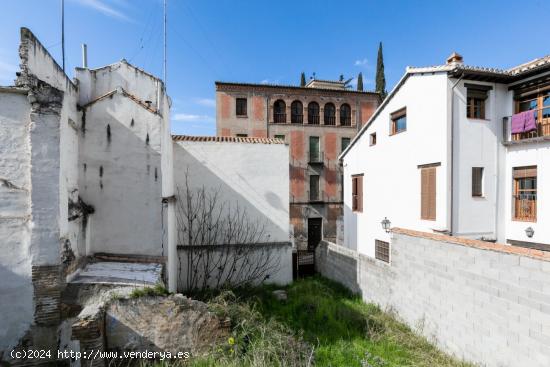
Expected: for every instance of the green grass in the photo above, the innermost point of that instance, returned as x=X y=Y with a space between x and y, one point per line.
x=321 y=323
x=157 y=290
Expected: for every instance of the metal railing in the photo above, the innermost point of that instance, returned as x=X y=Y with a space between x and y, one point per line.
x=542 y=118
x=316 y=157
x=345 y=121
x=279 y=118
x=525 y=207
x=296 y=119
x=313 y=119
x=330 y=120
x=316 y=196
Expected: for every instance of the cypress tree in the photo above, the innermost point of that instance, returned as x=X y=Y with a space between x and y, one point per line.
x=303 y=80
x=380 y=78
x=360 y=82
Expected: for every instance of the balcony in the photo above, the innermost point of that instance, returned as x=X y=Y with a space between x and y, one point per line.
x=541 y=133
x=525 y=207
x=330 y=120
x=316 y=197
x=297 y=119
x=279 y=118
x=316 y=158
x=313 y=119
x=345 y=121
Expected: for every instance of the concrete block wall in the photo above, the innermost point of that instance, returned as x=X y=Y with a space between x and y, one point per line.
x=486 y=303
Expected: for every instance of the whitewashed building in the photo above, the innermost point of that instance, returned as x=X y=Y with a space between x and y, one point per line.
x=88 y=176
x=454 y=149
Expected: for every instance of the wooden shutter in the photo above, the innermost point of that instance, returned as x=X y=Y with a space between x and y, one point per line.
x=428 y=193
x=357 y=193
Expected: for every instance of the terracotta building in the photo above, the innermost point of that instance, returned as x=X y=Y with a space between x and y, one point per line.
x=318 y=121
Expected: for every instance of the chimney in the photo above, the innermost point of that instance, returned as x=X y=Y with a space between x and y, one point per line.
x=455 y=58
x=84 y=56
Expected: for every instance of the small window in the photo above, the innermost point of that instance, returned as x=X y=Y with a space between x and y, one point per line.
x=399 y=121
x=372 y=139
x=330 y=114
x=279 y=111
x=357 y=193
x=345 y=115
x=475 y=103
x=241 y=107
x=314 y=149
x=345 y=143
x=428 y=193
x=242 y=135
x=313 y=113
x=280 y=137
x=382 y=250
x=314 y=194
x=477 y=181
x=525 y=194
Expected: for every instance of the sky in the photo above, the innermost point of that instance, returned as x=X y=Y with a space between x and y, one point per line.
x=262 y=41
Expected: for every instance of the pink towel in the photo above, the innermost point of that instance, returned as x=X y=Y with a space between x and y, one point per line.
x=530 y=122
x=523 y=122
x=518 y=123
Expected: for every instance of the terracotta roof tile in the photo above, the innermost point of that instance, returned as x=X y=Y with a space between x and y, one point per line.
x=227 y=139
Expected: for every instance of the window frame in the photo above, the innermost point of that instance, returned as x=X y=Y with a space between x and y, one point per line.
x=313 y=119
x=329 y=113
x=343 y=118
x=238 y=108
x=478 y=188
x=342 y=143
x=318 y=177
x=394 y=117
x=519 y=174
x=372 y=139
x=357 y=193
x=279 y=111
x=296 y=112
x=428 y=191
x=382 y=251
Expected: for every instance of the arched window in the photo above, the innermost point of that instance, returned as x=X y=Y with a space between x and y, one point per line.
x=330 y=114
x=279 y=111
x=345 y=115
x=313 y=113
x=296 y=112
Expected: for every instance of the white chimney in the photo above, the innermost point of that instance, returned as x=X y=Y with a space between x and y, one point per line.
x=84 y=56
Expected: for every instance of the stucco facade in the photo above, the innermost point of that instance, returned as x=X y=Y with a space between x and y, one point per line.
x=441 y=132
x=263 y=118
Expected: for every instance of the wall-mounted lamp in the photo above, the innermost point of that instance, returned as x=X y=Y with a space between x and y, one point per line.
x=386 y=224
x=529 y=232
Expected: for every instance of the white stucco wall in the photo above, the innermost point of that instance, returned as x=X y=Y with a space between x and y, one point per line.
x=391 y=182
x=537 y=154
x=477 y=143
x=121 y=177
x=254 y=176
x=16 y=306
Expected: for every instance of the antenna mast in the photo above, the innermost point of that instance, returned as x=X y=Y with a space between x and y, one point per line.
x=63 y=33
x=164 y=62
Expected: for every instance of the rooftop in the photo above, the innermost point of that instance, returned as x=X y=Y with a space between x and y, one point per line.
x=221 y=84
x=226 y=139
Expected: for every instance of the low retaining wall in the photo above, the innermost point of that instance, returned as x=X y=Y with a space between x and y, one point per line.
x=483 y=302
x=264 y=262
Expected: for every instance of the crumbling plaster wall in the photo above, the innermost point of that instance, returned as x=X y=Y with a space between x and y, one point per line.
x=16 y=311
x=39 y=171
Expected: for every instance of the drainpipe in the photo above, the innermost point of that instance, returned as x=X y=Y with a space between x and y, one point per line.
x=451 y=229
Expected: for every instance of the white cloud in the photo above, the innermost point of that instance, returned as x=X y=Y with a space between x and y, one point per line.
x=364 y=62
x=187 y=117
x=206 y=102
x=101 y=7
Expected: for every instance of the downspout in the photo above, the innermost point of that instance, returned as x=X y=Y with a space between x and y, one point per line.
x=451 y=229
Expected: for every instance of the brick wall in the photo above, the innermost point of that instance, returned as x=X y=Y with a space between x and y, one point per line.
x=486 y=303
